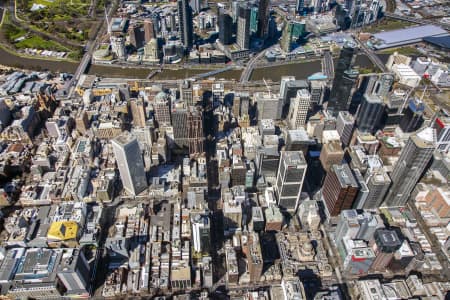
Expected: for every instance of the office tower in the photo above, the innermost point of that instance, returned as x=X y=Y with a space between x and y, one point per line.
x=236 y=109
x=133 y=34
x=267 y=159
x=383 y=85
x=254 y=19
x=180 y=126
x=395 y=102
x=238 y=171
x=118 y=47
x=285 y=80
x=218 y=93
x=82 y=122
x=308 y=213
x=344 y=126
x=369 y=113
x=299 y=6
x=257 y=218
x=161 y=109
x=245 y=103
x=196 y=136
x=441 y=164
x=263 y=16
x=386 y=243
x=243 y=29
x=149 y=31
x=197 y=5
x=288 y=90
x=185 y=23
x=340 y=100
x=344 y=79
x=412 y=116
x=290 y=177
x=201 y=230
x=354 y=225
x=254 y=257
x=269 y=106
x=138 y=112
x=442 y=125
x=151 y=51
x=340 y=189
x=292 y=31
x=347 y=226
x=186 y=92
x=225 y=27
x=378 y=183
x=250 y=174
x=74 y=272
x=129 y=160
x=410 y=166
x=331 y=154
x=402 y=258
x=298 y=110
x=374 y=84
x=318 y=89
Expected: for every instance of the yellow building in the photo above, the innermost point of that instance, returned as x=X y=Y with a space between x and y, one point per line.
x=63 y=233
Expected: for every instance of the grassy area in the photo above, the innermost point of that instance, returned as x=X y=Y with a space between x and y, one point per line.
x=407 y=50
x=37 y=42
x=12 y=32
x=387 y=24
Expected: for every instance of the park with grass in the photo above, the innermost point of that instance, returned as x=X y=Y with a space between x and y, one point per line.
x=66 y=19
x=53 y=25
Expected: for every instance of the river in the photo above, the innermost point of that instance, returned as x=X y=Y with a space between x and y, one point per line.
x=299 y=70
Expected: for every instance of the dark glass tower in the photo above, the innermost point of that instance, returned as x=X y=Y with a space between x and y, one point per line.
x=225 y=27
x=412 y=116
x=243 y=29
x=185 y=20
x=263 y=14
x=370 y=113
x=344 y=80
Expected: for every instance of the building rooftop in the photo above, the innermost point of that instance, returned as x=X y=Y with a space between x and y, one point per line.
x=407 y=35
x=63 y=230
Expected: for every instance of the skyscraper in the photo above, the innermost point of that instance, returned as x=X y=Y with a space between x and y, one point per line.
x=410 y=166
x=149 y=31
x=378 y=183
x=412 y=116
x=179 y=123
x=386 y=243
x=195 y=130
x=254 y=19
x=269 y=106
x=225 y=27
x=292 y=31
x=185 y=22
x=129 y=160
x=339 y=189
x=344 y=126
x=243 y=29
x=442 y=126
x=186 y=92
x=344 y=80
x=290 y=177
x=201 y=230
x=299 y=108
x=263 y=17
x=370 y=113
